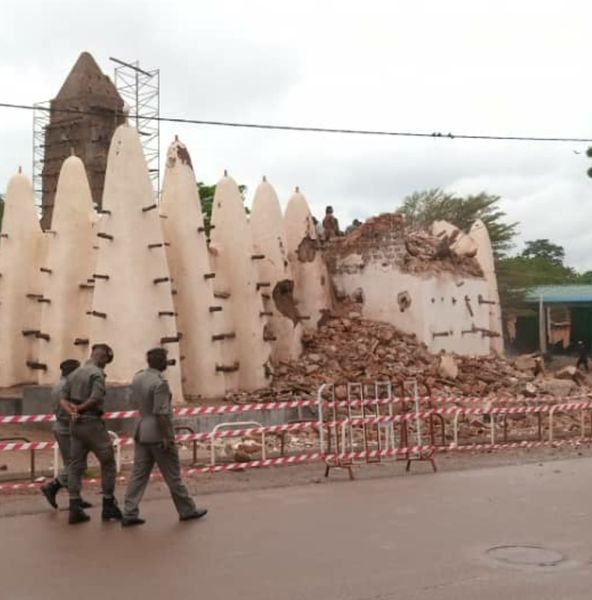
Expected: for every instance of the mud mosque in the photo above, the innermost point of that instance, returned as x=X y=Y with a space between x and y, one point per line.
x=112 y=265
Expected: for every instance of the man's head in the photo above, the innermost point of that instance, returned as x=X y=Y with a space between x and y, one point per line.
x=329 y=210
x=68 y=366
x=157 y=358
x=101 y=355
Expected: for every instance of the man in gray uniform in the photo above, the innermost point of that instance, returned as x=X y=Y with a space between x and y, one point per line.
x=61 y=432
x=82 y=398
x=155 y=443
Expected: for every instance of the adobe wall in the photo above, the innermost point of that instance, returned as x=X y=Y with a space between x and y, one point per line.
x=441 y=298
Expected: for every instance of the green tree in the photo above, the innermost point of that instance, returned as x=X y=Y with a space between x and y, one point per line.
x=585 y=278
x=425 y=207
x=545 y=250
x=206 y=195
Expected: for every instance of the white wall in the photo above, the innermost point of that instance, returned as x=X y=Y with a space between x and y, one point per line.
x=437 y=303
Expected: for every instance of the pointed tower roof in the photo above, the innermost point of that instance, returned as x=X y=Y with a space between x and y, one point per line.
x=86 y=79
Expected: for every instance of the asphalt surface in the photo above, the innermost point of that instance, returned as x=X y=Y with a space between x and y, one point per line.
x=420 y=537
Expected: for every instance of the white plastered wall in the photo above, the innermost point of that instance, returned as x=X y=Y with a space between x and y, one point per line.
x=232 y=243
x=484 y=256
x=312 y=285
x=126 y=306
x=22 y=254
x=438 y=304
x=189 y=264
x=70 y=258
x=271 y=256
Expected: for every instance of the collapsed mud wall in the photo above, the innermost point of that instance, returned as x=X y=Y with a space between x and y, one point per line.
x=416 y=282
x=233 y=304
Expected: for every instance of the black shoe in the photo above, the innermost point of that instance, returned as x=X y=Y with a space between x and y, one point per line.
x=77 y=515
x=196 y=514
x=111 y=510
x=85 y=504
x=131 y=521
x=50 y=491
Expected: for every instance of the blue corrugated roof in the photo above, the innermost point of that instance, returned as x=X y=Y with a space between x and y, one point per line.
x=560 y=293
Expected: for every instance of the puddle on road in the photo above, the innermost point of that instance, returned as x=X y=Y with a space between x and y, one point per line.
x=526 y=556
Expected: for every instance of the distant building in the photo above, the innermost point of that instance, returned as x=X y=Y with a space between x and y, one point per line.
x=553 y=318
x=88 y=136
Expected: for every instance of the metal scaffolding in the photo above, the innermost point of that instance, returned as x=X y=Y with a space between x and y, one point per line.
x=140 y=90
x=41 y=116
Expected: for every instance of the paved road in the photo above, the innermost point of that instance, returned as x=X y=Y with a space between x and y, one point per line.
x=420 y=537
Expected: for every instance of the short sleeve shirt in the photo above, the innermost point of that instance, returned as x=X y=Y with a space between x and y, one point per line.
x=88 y=381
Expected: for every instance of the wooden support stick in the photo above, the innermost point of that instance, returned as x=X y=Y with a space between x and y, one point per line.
x=96 y=313
x=105 y=236
x=36 y=365
x=223 y=336
x=29 y=332
x=228 y=368
x=149 y=208
x=162 y=280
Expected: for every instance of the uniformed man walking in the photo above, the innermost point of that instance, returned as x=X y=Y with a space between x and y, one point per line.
x=83 y=397
x=61 y=432
x=155 y=443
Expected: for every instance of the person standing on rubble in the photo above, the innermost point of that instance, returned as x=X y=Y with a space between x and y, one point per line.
x=154 y=439
x=582 y=356
x=83 y=396
x=61 y=432
x=330 y=224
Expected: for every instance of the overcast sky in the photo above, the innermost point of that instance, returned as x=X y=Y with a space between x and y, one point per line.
x=462 y=66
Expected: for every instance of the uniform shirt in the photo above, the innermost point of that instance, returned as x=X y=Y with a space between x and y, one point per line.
x=88 y=381
x=151 y=395
x=62 y=422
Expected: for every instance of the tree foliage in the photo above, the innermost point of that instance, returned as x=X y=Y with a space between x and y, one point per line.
x=206 y=195
x=425 y=207
x=544 y=250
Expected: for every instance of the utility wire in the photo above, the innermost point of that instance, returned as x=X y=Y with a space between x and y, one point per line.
x=415 y=134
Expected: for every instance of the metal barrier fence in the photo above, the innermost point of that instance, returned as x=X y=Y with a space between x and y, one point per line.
x=357 y=423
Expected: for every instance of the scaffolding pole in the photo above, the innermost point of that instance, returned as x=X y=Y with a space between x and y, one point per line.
x=140 y=91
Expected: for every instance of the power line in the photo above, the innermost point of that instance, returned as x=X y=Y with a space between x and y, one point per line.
x=377 y=132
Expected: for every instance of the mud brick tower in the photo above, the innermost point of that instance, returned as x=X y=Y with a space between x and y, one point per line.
x=86 y=134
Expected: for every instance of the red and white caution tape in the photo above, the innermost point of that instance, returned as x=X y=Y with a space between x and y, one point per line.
x=337 y=459
x=351 y=422
x=291 y=404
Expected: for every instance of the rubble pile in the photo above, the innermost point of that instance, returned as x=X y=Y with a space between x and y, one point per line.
x=348 y=348
x=417 y=250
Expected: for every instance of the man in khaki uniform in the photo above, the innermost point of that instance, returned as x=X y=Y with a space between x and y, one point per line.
x=155 y=443
x=82 y=398
x=61 y=432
